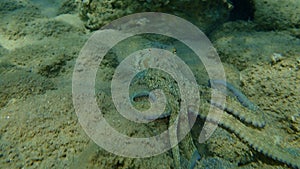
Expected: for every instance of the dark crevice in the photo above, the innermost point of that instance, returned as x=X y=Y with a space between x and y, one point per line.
x=243 y=10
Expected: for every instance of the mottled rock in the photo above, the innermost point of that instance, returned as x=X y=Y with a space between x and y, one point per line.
x=238 y=43
x=204 y=14
x=277 y=15
x=228 y=147
x=215 y=163
x=21 y=84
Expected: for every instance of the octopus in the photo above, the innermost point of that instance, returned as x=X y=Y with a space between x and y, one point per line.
x=240 y=116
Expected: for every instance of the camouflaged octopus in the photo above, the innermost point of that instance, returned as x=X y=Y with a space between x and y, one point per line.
x=240 y=116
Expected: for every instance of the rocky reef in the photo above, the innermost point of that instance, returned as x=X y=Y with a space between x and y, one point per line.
x=204 y=14
x=257 y=40
x=277 y=15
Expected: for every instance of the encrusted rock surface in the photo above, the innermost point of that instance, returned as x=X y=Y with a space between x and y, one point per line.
x=204 y=14
x=277 y=14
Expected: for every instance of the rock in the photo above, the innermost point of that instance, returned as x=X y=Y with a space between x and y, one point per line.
x=277 y=15
x=228 y=147
x=3 y=51
x=238 y=44
x=21 y=84
x=204 y=14
x=215 y=163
